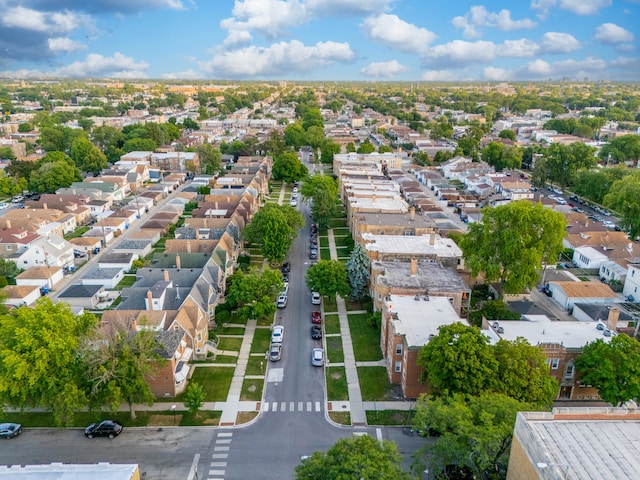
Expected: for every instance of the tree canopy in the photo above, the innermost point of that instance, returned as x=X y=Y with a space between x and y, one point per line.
x=328 y=277
x=613 y=368
x=624 y=198
x=40 y=365
x=87 y=156
x=323 y=192
x=288 y=167
x=51 y=176
x=358 y=272
x=475 y=432
x=512 y=242
x=274 y=228
x=210 y=158
x=362 y=458
x=562 y=162
x=254 y=293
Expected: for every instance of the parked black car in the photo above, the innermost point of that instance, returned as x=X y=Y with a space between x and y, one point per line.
x=105 y=428
x=286 y=268
x=316 y=332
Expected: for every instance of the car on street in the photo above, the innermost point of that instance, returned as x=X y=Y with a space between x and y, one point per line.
x=317 y=357
x=316 y=317
x=315 y=298
x=3 y=205
x=10 y=430
x=316 y=332
x=313 y=253
x=293 y=202
x=105 y=428
x=17 y=199
x=285 y=290
x=609 y=224
x=286 y=267
x=275 y=352
x=277 y=334
x=282 y=301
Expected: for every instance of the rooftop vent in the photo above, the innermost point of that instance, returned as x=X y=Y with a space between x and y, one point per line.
x=417 y=298
x=426 y=298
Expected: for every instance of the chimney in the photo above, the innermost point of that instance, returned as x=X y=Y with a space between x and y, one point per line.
x=432 y=239
x=149 y=300
x=8 y=223
x=178 y=262
x=166 y=275
x=373 y=198
x=414 y=266
x=188 y=247
x=216 y=205
x=412 y=213
x=45 y=206
x=612 y=320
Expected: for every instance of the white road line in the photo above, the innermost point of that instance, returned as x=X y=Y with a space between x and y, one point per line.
x=265 y=407
x=274 y=407
x=317 y=406
x=216 y=472
x=300 y=406
x=225 y=434
x=292 y=406
x=283 y=406
x=218 y=464
x=223 y=440
x=379 y=434
x=221 y=449
x=220 y=455
x=308 y=406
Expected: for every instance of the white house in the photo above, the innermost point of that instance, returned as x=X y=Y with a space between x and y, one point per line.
x=18 y=296
x=40 y=277
x=611 y=271
x=631 y=288
x=588 y=257
x=566 y=294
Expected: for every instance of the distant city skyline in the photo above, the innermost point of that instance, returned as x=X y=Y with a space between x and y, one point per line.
x=321 y=40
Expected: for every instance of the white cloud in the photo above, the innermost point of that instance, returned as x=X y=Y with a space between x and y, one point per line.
x=96 y=65
x=460 y=52
x=42 y=22
x=479 y=16
x=495 y=74
x=610 y=33
x=237 y=38
x=277 y=60
x=522 y=48
x=592 y=67
x=397 y=34
x=441 y=76
x=579 y=7
x=65 y=44
x=383 y=69
x=185 y=75
x=270 y=18
x=558 y=42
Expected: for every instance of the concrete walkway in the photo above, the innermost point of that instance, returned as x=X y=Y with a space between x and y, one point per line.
x=282 y=191
x=356 y=407
x=233 y=403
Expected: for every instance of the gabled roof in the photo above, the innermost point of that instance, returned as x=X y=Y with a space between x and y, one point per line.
x=81 y=291
x=586 y=289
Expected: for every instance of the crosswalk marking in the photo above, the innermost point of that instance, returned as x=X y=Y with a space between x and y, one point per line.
x=216 y=472
x=220 y=455
x=225 y=434
x=300 y=406
x=283 y=406
x=291 y=407
x=221 y=449
x=218 y=464
x=317 y=406
x=308 y=406
x=223 y=440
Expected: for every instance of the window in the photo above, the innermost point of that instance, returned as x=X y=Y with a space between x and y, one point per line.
x=399 y=349
x=8 y=247
x=568 y=371
x=398 y=367
x=199 y=336
x=409 y=232
x=554 y=363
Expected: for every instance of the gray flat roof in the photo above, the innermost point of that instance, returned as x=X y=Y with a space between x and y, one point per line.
x=429 y=275
x=442 y=247
x=596 y=443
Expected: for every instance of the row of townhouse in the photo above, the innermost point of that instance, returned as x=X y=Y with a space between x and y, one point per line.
x=418 y=281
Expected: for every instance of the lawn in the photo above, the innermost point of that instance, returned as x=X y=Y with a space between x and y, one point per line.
x=325 y=254
x=330 y=304
x=224 y=359
x=261 y=340
x=256 y=365
x=389 y=417
x=374 y=383
x=324 y=242
x=127 y=281
x=337 y=384
x=344 y=241
x=214 y=380
x=78 y=232
x=337 y=222
x=331 y=324
x=252 y=389
x=335 y=354
x=365 y=338
x=222 y=330
x=231 y=344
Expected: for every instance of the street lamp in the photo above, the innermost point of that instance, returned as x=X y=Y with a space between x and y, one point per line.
x=564 y=466
x=173 y=409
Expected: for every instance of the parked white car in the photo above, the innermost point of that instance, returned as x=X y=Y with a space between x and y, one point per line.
x=277 y=334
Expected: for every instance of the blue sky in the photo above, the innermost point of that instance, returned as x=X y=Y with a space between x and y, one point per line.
x=385 y=40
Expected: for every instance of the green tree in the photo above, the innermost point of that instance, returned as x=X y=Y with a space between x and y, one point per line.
x=385 y=149
x=253 y=293
x=475 y=431
x=118 y=366
x=294 y=135
x=20 y=169
x=358 y=268
x=8 y=268
x=59 y=138
x=510 y=134
x=51 y=176
x=288 y=167
x=621 y=149
x=314 y=137
x=612 y=367
x=210 y=158
x=12 y=185
x=366 y=147
x=459 y=359
x=328 y=277
x=502 y=156
x=139 y=144
x=25 y=127
x=562 y=162
x=328 y=149
x=274 y=228
x=512 y=242
x=624 y=198
x=6 y=152
x=323 y=191
x=194 y=397
x=351 y=148
x=362 y=458
x=86 y=156
x=40 y=365
x=523 y=372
